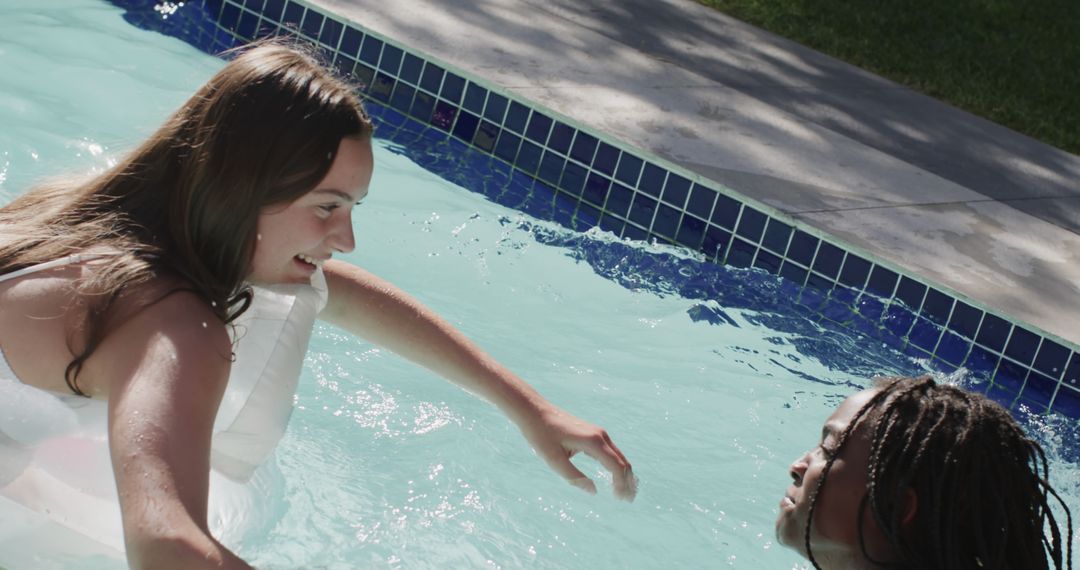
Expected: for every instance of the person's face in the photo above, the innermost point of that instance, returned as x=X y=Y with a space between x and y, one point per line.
x=834 y=533
x=294 y=239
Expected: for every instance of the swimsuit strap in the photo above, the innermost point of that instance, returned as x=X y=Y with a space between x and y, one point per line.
x=68 y=260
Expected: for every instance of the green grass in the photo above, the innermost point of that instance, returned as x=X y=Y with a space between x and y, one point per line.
x=1014 y=62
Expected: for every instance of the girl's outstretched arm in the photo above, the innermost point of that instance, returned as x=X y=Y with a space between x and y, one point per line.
x=376 y=310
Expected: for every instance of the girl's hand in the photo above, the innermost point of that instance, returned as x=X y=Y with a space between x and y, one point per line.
x=557 y=436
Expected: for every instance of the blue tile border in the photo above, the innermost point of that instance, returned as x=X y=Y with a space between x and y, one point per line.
x=581 y=179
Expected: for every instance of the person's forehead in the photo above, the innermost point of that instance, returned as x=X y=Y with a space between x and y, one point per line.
x=849 y=407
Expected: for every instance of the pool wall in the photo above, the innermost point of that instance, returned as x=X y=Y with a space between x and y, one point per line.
x=555 y=169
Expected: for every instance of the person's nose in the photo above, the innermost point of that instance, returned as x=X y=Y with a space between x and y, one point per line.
x=798 y=468
x=343 y=239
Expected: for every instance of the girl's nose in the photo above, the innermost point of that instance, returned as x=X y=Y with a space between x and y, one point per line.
x=343 y=240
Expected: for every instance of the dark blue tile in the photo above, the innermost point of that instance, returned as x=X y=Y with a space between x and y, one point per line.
x=256 y=6
x=517 y=117
x=993 y=332
x=911 y=292
x=584 y=148
x=793 y=272
x=845 y=295
x=629 y=169
x=965 y=319
x=855 y=272
x=496 y=108
x=777 y=234
x=474 y=99
x=618 y=200
x=312 y=24
x=701 y=201
x=452 y=88
x=813 y=297
x=828 y=260
x=402 y=97
x=371 y=49
x=466 y=126
x=431 y=79
x=642 y=210
x=423 y=107
x=716 y=241
x=676 y=190
x=444 y=115
x=331 y=33
x=751 y=224
x=818 y=282
x=1072 y=373
x=741 y=253
x=294 y=13
x=539 y=127
x=273 y=9
x=596 y=189
x=882 y=281
x=561 y=137
x=607 y=157
x=507 y=146
x=573 y=179
x=937 y=306
x=1010 y=376
x=1022 y=346
x=1067 y=402
x=691 y=232
x=1039 y=389
x=768 y=262
x=725 y=212
x=953 y=349
x=486 y=136
x=633 y=232
x=551 y=167
x=362 y=74
x=898 y=320
x=871 y=307
x=1051 y=359
x=980 y=360
x=925 y=334
x=230 y=17
x=381 y=87
x=652 y=180
x=803 y=247
x=666 y=222
x=586 y=217
x=528 y=158
x=610 y=223
x=350 y=42
x=391 y=59
x=916 y=352
x=246 y=28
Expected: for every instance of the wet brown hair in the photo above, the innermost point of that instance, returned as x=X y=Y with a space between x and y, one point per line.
x=981 y=483
x=185 y=203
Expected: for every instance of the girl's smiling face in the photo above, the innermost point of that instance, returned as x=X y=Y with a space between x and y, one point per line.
x=294 y=239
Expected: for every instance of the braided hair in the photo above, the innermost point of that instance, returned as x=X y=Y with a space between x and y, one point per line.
x=981 y=483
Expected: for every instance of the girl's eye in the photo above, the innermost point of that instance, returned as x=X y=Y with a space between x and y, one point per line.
x=827 y=451
x=328 y=208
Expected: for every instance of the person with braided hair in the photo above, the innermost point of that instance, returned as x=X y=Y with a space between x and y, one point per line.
x=915 y=474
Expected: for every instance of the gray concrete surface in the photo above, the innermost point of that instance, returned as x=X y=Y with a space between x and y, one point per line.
x=978 y=208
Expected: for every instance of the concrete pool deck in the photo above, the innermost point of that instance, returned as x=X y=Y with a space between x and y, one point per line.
x=968 y=204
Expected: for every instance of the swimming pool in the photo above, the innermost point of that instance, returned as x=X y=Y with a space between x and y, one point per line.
x=709 y=377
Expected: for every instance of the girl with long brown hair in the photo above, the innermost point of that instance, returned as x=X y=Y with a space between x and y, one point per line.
x=124 y=290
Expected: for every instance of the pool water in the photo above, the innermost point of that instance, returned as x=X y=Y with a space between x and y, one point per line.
x=711 y=380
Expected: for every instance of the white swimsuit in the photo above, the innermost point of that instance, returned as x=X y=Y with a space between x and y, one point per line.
x=56 y=480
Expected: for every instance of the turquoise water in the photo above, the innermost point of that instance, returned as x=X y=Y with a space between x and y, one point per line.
x=385 y=465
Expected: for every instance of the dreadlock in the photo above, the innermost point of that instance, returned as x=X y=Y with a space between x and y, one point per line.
x=982 y=485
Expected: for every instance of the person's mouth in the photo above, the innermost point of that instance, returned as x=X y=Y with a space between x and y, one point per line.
x=313 y=262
